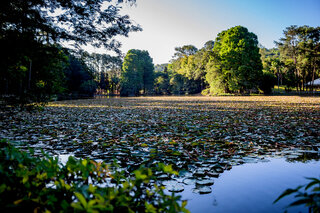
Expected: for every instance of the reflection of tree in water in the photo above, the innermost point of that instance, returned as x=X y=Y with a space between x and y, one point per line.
x=303 y=156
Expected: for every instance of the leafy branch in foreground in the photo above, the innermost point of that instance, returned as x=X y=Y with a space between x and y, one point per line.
x=81 y=185
x=310 y=199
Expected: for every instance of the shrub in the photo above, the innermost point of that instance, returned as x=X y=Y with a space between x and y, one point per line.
x=267 y=83
x=82 y=185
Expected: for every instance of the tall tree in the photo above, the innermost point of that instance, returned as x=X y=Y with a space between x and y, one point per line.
x=188 y=68
x=185 y=50
x=28 y=27
x=235 y=64
x=300 y=49
x=137 y=73
x=79 y=78
x=289 y=47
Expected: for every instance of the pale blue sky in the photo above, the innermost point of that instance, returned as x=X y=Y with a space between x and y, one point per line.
x=170 y=23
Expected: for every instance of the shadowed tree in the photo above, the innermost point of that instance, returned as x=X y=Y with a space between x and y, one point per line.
x=28 y=27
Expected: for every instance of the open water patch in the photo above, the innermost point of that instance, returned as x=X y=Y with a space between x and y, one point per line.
x=253 y=187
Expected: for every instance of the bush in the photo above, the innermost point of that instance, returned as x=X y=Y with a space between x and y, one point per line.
x=32 y=184
x=267 y=83
x=205 y=92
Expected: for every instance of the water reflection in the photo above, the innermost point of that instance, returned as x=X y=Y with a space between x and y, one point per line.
x=252 y=187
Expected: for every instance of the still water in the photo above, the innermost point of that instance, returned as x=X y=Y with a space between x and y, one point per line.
x=252 y=187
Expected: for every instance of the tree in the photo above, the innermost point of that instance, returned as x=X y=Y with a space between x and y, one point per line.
x=267 y=82
x=162 y=80
x=148 y=72
x=137 y=73
x=272 y=64
x=106 y=70
x=185 y=50
x=79 y=78
x=188 y=68
x=30 y=71
x=82 y=22
x=201 y=59
x=235 y=64
x=30 y=27
x=300 y=49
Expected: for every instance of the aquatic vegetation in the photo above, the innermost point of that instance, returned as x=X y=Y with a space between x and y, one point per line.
x=200 y=137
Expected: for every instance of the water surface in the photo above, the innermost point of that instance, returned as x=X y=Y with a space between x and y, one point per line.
x=252 y=187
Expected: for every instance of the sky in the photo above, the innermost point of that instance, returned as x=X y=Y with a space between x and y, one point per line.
x=173 y=23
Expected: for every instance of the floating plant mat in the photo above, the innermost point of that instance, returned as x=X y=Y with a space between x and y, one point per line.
x=201 y=137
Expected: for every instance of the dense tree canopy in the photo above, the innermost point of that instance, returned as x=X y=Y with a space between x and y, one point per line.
x=300 y=48
x=236 y=65
x=31 y=34
x=82 y=22
x=36 y=67
x=187 y=69
x=137 y=73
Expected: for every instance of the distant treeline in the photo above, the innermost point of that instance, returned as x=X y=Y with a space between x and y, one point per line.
x=235 y=63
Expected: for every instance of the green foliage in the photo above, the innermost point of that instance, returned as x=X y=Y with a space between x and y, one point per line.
x=235 y=65
x=137 y=73
x=185 y=50
x=79 y=78
x=88 y=88
x=189 y=68
x=44 y=185
x=309 y=198
x=299 y=50
x=83 y=22
x=31 y=71
x=162 y=82
x=31 y=33
x=205 y=92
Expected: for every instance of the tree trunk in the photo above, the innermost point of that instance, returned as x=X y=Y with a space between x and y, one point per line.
x=29 y=79
x=313 y=72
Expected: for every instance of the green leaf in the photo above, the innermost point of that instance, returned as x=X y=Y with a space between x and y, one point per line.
x=316 y=189
x=82 y=199
x=150 y=208
x=139 y=175
x=91 y=203
x=301 y=202
x=312 y=183
x=286 y=193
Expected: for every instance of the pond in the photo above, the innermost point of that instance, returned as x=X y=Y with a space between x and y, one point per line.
x=250 y=187
x=234 y=154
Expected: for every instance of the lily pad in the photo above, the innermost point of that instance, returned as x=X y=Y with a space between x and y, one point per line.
x=204 y=189
x=206 y=182
x=213 y=174
x=189 y=181
x=169 y=182
x=199 y=173
x=175 y=187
